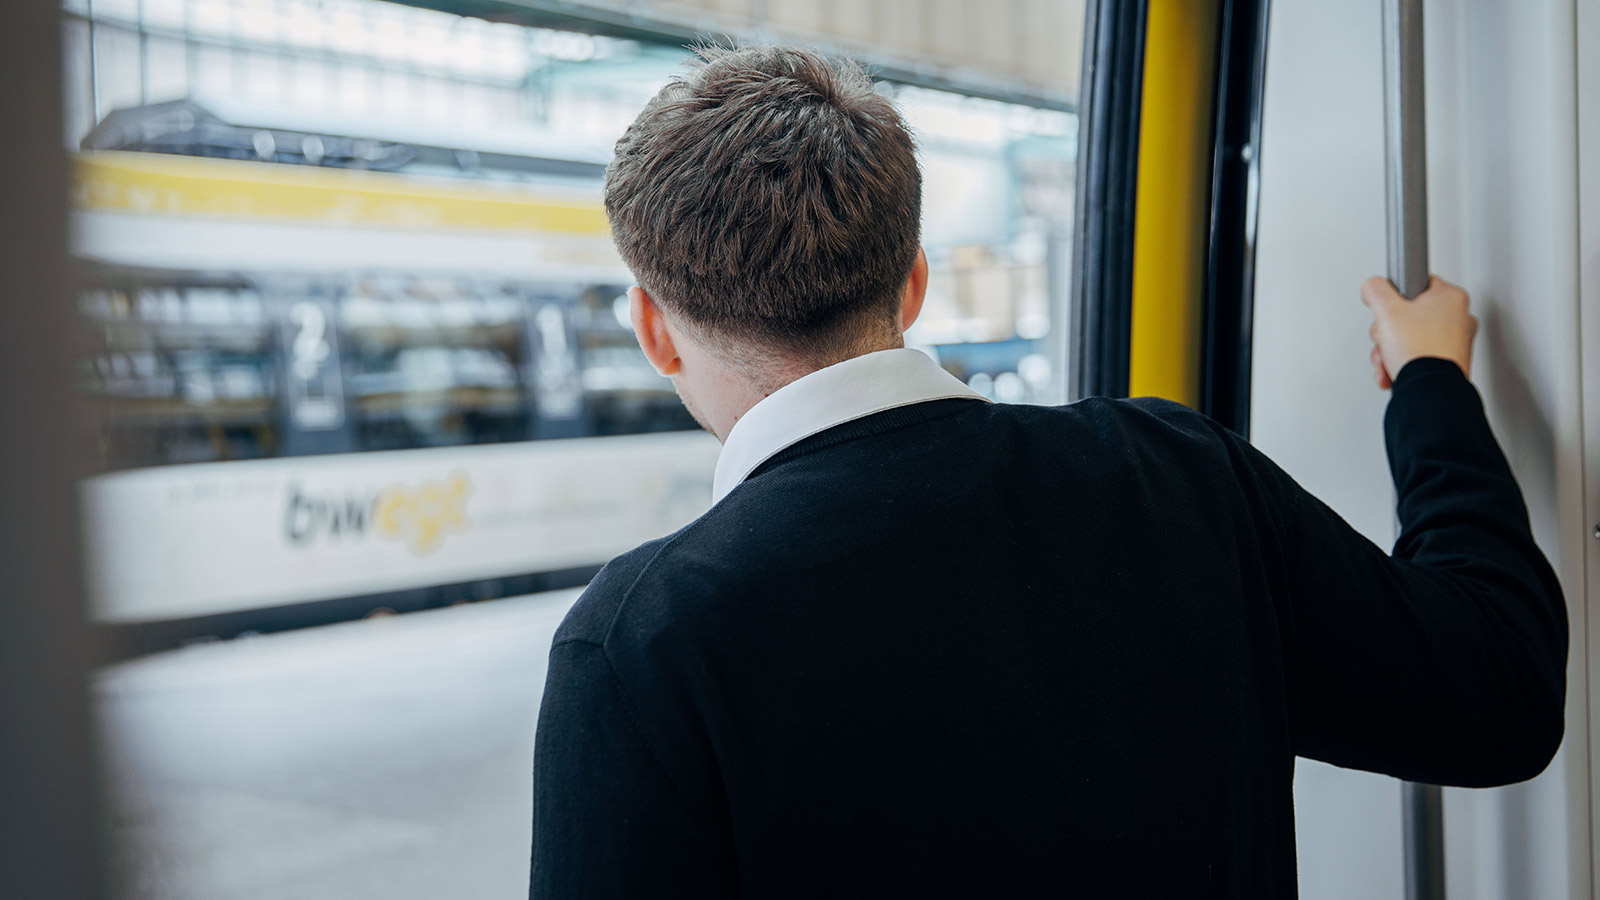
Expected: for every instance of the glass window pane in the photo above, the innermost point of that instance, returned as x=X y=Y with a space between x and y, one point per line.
x=357 y=343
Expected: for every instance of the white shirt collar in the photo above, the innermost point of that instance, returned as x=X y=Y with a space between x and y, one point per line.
x=843 y=392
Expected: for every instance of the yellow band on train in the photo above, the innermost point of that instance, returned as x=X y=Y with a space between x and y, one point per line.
x=161 y=184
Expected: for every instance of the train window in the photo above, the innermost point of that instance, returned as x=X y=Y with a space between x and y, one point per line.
x=487 y=109
x=997 y=219
x=357 y=338
x=182 y=373
x=309 y=230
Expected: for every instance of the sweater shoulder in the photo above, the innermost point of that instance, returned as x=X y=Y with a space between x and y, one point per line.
x=665 y=585
x=1128 y=428
x=591 y=617
x=1167 y=412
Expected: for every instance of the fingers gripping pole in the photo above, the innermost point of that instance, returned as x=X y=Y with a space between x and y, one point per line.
x=1406 y=171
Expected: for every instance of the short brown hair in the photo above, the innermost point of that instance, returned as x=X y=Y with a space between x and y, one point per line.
x=770 y=194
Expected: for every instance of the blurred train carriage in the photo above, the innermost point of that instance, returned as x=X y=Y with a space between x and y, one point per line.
x=278 y=292
x=266 y=296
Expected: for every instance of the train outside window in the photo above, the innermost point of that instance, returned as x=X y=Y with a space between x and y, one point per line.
x=356 y=342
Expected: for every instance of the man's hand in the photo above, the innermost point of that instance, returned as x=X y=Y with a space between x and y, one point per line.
x=1436 y=323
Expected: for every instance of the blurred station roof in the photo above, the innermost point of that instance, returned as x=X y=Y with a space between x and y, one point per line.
x=1018 y=51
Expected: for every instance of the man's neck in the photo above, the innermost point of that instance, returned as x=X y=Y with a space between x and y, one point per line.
x=719 y=391
x=731 y=392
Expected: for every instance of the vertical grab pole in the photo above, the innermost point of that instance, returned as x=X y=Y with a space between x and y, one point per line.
x=1422 y=818
x=1406 y=170
x=1406 y=152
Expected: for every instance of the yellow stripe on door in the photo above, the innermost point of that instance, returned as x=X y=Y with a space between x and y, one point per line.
x=1171 y=216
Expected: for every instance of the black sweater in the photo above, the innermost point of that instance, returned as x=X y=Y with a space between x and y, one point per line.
x=964 y=649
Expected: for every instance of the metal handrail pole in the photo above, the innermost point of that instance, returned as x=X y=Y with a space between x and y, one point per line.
x=1406 y=145
x=1422 y=819
x=1406 y=173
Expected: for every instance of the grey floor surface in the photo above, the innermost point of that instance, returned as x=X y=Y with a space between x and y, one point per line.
x=388 y=758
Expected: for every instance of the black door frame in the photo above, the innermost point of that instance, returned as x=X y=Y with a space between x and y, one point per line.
x=1108 y=171
x=1229 y=306
x=50 y=826
x=1103 y=245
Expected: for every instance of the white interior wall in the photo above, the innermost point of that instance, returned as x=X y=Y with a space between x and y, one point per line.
x=1502 y=83
x=1588 y=60
x=1502 y=181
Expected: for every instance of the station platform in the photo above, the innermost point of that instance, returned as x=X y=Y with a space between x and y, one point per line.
x=386 y=758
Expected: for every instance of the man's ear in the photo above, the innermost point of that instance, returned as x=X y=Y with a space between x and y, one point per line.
x=916 y=291
x=650 y=327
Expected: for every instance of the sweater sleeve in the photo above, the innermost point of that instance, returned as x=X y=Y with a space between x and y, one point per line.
x=608 y=821
x=1445 y=662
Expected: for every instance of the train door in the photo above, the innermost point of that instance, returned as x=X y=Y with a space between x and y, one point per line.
x=1296 y=164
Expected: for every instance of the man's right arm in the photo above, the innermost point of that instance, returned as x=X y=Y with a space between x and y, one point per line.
x=1445 y=662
